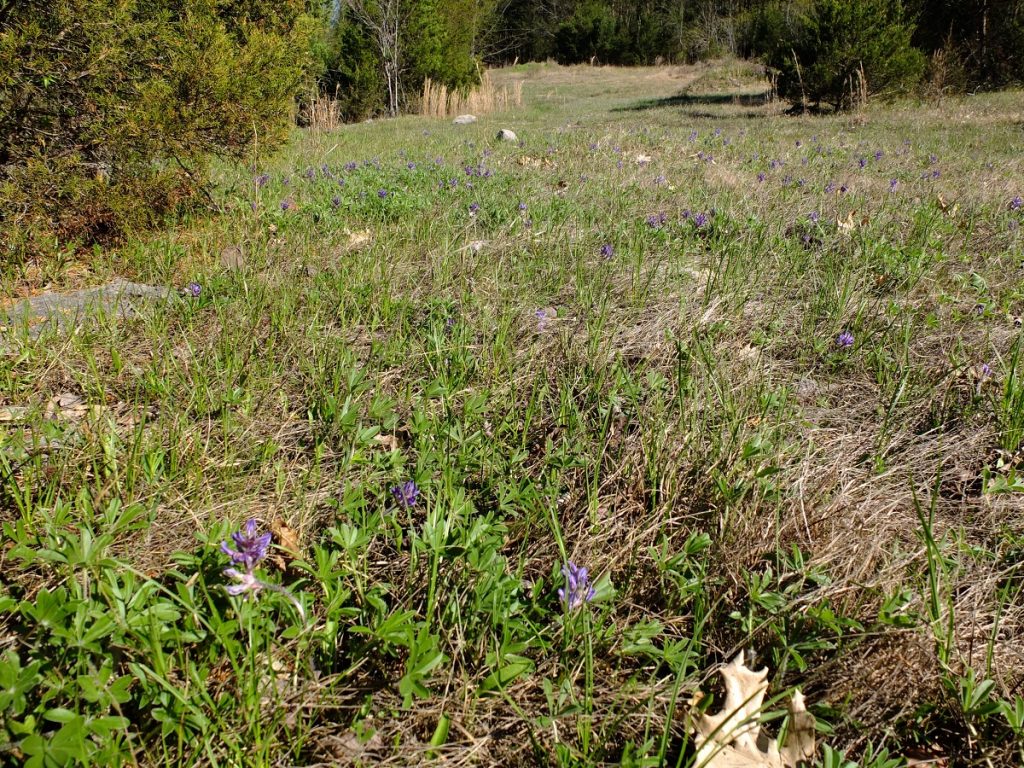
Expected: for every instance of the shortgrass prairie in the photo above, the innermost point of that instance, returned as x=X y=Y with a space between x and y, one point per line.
x=761 y=375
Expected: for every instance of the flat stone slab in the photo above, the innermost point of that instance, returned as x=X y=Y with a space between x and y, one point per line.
x=120 y=298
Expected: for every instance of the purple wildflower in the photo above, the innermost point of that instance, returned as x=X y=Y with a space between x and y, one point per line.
x=659 y=179
x=844 y=340
x=830 y=188
x=863 y=163
x=607 y=251
x=814 y=216
x=250 y=547
x=542 y=319
x=287 y=204
x=382 y=193
x=194 y=289
x=262 y=179
x=522 y=205
x=335 y=202
x=578 y=590
x=406 y=494
x=893 y=183
x=761 y=176
x=411 y=166
x=986 y=370
x=700 y=220
x=1016 y=203
x=474 y=208
x=879 y=154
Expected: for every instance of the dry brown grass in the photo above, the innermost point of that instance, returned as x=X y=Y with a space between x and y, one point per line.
x=483 y=99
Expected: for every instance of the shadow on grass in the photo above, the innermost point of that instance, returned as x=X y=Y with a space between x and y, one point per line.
x=706 y=99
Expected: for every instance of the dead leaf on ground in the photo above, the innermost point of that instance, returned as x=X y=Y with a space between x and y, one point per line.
x=67 y=405
x=733 y=738
x=358 y=239
x=231 y=257
x=15 y=413
x=847 y=225
x=287 y=538
x=388 y=442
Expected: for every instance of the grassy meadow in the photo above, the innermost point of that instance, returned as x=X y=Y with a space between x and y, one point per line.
x=761 y=375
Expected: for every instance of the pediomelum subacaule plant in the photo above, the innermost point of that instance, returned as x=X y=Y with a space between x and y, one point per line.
x=406 y=494
x=250 y=549
x=577 y=590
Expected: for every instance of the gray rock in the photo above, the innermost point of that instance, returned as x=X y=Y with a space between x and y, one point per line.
x=506 y=135
x=68 y=310
x=464 y=119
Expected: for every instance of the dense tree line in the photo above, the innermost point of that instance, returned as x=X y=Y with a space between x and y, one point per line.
x=983 y=40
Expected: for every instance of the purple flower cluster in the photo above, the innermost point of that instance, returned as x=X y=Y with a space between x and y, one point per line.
x=406 y=494
x=542 y=319
x=657 y=220
x=250 y=550
x=844 y=340
x=607 y=251
x=577 y=590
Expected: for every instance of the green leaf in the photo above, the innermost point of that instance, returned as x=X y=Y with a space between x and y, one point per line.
x=502 y=677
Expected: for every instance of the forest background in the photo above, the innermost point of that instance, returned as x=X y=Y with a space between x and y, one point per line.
x=111 y=110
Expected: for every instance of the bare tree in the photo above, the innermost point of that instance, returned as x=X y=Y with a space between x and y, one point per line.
x=384 y=20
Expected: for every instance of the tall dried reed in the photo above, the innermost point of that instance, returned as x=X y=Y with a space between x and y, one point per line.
x=439 y=101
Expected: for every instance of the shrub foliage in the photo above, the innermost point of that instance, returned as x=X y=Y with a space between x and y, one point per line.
x=109 y=109
x=839 y=42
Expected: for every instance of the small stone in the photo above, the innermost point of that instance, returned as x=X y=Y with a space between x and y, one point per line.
x=806 y=388
x=464 y=119
x=506 y=135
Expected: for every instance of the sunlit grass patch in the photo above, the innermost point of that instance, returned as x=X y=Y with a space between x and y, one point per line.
x=768 y=400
